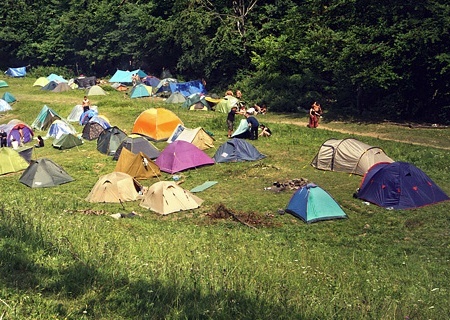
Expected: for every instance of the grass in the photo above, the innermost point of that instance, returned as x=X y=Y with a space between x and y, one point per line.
x=58 y=263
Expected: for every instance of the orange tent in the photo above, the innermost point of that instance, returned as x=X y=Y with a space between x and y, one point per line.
x=156 y=123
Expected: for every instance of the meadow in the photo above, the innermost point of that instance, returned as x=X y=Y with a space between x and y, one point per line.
x=64 y=258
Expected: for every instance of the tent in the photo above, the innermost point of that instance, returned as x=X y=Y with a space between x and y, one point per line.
x=156 y=123
x=236 y=150
x=41 y=82
x=151 y=81
x=139 y=91
x=166 y=197
x=175 y=97
x=17 y=130
x=3 y=84
x=16 y=72
x=8 y=97
x=115 y=187
x=50 y=86
x=102 y=120
x=399 y=185
x=196 y=101
x=348 y=155
x=43 y=173
x=56 y=78
x=11 y=161
x=188 y=88
x=119 y=86
x=67 y=141
x=4 y=106
x=95 y=91
x=311 y=204
x=26 y=152
x=77 y=111
x=226 y=103
x=92 y=131
x=139 y=166
x=242 y=131
x=60 y=127
x=182 y=155
x=136 y=143
x=85 y=82
x=61 y=87
x=109 y=140
x=198 y=137
x=163 y=88
x=86 y=116
x=45 y=118
x=125 y=76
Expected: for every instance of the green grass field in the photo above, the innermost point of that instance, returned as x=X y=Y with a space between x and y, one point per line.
x=64 y=258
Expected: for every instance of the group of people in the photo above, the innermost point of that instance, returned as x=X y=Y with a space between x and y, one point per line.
x=257 y=108
x=253 y=124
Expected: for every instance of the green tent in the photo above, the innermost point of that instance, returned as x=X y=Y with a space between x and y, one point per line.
x=139 y=91
x=95 y=91
x=43 y=173
x=8 y=97
x=3 y=84
x=225 y=104
x=11 y=161
x=45 y=118
x=67 y=141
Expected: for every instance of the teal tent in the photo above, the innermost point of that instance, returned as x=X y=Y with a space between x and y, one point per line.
x=311 y=204
x=225 y=104
x=8 y=97
x=45 y=119
x=139 y=91
x=3 y=84
x=242 y=131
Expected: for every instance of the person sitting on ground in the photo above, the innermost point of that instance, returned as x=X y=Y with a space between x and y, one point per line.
x=265 y=131
x=253 y=124
x=261 y=107
x=40 y=143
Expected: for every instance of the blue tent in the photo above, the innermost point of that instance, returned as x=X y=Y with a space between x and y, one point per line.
x=139 y=91
x=4 y=106
x=311 y=204
x=56 y=78
x=122 y=76
x=399 y=185
x=8 y=97
x=188 y=88
x=87 y=115
x=16 y=72
x=237 y=150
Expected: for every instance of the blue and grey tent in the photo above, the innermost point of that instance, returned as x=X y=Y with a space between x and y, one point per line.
x=8 y=97
x=237 y=150
x=16 y=72
x=188 y=88
x=311 y=204
x=50 y=86
x=45 y=118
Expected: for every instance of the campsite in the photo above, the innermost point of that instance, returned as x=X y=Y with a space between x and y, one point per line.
x=233 y=254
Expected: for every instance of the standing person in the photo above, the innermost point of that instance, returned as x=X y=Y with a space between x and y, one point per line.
x=314 y=114
x=230 y=120
x=86 y=104
x=3 y=138
x=253 y=124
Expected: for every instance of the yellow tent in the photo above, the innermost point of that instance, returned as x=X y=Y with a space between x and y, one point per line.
x=115 y=187
x=138 y=165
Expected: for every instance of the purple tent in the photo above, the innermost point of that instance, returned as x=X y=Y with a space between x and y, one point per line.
x=181 y=155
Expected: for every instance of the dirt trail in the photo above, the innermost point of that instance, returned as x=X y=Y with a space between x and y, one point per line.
x=365 y=134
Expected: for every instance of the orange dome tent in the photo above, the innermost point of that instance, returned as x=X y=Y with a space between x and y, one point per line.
x=156 y=124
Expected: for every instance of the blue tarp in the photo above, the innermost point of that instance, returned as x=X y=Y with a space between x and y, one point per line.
x=122 y=76
x=188 y=88
x=16 y=72
x=56 y=78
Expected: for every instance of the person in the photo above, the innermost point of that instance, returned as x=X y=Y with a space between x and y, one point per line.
x=229 y=93
x=239 y=94
x=86 y=104
x=40 y=143
x=3 y=138
x=230 y=120
x=261 y=107
x=314 y=114
x=265 y=131
x=253 y=125
x=22 y=138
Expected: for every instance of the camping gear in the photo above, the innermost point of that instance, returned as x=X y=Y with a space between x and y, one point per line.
x=156 y=123
x=122 y=76
x=242 y=131
x=85 y=82
x=348 y=155
x=175 y=97
x=92 y=131
x=136 y=143
x=151 y=81
x=50 y=86
x=4 y=106
x=8 y=97
x=77 y=111
x=115 y=187
x=26 y=152
x=43 y=173
x=182 y=155
x=139 y=166
x=109 y=140
x=16 y=72
x=236 y=150
x=41 y=82
x=140 y=91
x=188 y=88
x=17 y=131
x=87 y=115
x=311 y=204
x=166 y=197
x=61 y=87
x=226 y=103
x=198 y=137
x=197 y=101
x=67 y=141
x=163 y=88
x=3 y=84
x=56 y=78
x=11 y=161
x=95 y=91
x=203 y=186
x=60 y=127
x=45 y=118
x=399 y=185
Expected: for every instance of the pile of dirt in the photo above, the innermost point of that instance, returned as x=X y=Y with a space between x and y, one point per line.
x=293 y=184
x=250 y=219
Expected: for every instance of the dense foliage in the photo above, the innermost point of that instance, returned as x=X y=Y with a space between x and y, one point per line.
x=360 y=58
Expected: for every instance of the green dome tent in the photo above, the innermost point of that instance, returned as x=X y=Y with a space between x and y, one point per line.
x=11 y=161
x=67 y=141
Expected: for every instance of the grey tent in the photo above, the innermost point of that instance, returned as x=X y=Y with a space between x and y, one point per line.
x=67 y=141
x=50 y=86
x=43 y=173
x=348 y=155
x=176 y=97
x=136 y=143
x=61 y=87
x=237 y=150
x=109 y=140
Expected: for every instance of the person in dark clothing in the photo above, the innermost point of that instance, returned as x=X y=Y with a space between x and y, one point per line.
x=230 y=120
x=3 y=138
x=254 y=125
x=265 y=131
x=40 y=143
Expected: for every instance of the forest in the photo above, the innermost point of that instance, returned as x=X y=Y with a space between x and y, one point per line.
x=362 y=59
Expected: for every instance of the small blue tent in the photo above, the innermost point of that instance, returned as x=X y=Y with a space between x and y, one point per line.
x=122 y=76
x=139 y=91
x=56 y=78
x=311 y=204
x=16 y=72
x=399 y=185
x=8 y=97
x=87 y=115
x=188 y=88
x=237 y=150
